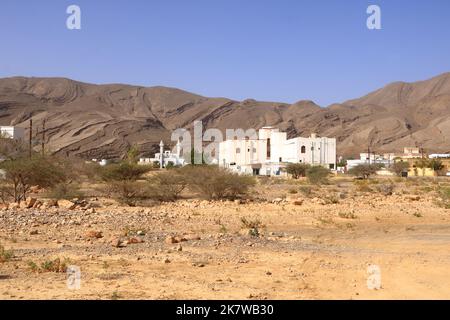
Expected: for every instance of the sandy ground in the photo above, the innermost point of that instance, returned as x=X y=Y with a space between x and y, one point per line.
x=316 y=250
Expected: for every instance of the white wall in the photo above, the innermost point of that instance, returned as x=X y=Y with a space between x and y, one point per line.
x=255 y=151
x=12 y=132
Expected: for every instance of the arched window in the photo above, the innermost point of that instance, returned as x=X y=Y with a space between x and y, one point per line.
x=238 y=150
x=303 y=149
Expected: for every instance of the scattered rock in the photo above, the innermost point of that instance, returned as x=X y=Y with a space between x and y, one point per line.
x=30 y=202
x=115 y=242
x=134 y=240
x=94 y=234
x=66 y=204
x=171 y=240
x=297 y=202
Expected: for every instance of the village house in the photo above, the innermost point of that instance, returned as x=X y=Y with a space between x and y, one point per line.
x=10 y=132
x=272 y=151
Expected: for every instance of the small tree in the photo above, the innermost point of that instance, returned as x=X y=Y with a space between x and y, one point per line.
x=364 y=170
x=21 y=174
x=436 y=164
x=317 y=175
x=124 y=171
x=399 y=167
x=133 y=154
x=342 y=163
x=297 y=170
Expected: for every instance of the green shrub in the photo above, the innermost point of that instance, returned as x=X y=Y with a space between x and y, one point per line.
x=213 y=182
x=167 y=186
x=5 y=255
x=317 y=175
x=364 y=170
x=124 y=171
x=297 y=170
x=253 y=226
x=127 y=191
x=22 y=174
x=55 y=265
x=65 y=190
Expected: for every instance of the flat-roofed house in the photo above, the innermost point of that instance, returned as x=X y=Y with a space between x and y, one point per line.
x=271 y=151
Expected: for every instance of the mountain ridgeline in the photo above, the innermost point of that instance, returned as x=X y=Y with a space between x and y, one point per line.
x=104 y=121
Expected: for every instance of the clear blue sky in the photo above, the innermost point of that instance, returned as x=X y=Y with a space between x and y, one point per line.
x=276 y=50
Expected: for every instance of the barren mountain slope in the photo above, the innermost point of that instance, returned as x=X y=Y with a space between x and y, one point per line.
x=105 y=120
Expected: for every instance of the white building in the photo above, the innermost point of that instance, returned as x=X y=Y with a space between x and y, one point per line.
x=164 y=158
x=370 y=158
x=271 y=151
x=439 y=156
x=12 y=132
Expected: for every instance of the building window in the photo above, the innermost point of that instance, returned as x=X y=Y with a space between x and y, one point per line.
x=281 y=159
x=268 y=148
x=303 y=149
x=254 y=150
x=238 y=150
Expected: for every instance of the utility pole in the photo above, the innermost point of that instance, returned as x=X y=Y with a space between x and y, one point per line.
x=31 y=136
x=43 y=138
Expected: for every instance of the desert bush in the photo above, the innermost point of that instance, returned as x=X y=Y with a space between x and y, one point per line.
x=124 y=171
x=317 y=175
x=364 y=170
x=297 y=170
x=65 y=190
x=213 y=182
x=347 y=215
x=167 y=186
x=399 y=167
x=55 y=265
x=5 y=255
x=363 y=186
x=435 y=164
x=330 y=199
x=21 y=174
x=306 y=190
x=444 y=197
x=127 y=191
x=121 y=182
x=385 y=189
x=253 y=226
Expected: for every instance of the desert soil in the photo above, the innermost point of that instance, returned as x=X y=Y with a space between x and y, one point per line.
x=193 y=249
